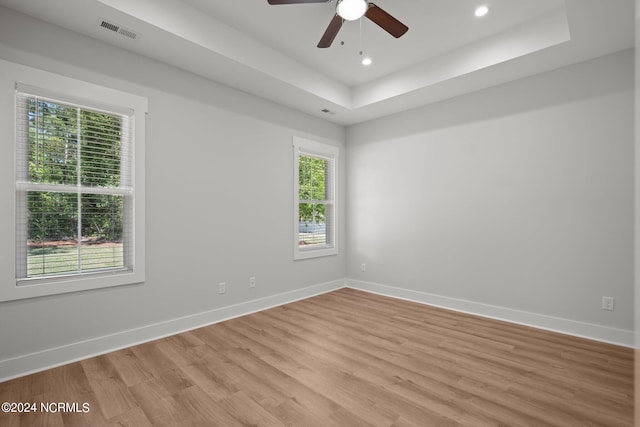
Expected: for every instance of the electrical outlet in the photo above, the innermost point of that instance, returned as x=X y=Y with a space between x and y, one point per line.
x=252 y=282
x=363 y=267
x=222 y=288
x=608 y=303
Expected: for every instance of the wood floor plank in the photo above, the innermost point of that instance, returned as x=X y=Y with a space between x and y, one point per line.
x=196 y=408
x=159 y=406
x=111 y=391
x=345 y=358
x=248 y=412
x=293 y=414
x=134 y=417
x=129 y=367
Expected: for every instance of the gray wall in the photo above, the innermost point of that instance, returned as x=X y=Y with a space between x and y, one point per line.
x=518 y=196
x=219 y=173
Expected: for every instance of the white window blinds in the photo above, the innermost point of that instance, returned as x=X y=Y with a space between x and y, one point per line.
x=74 y=188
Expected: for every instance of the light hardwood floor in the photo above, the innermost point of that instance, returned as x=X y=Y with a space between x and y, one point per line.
x=346 y=358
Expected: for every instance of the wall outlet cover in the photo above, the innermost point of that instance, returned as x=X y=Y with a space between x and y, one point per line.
x=608 y=303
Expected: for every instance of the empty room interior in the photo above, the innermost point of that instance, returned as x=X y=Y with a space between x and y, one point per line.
x=280 y=213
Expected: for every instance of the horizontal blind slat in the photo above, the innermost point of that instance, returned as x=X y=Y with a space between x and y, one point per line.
x=62 y=188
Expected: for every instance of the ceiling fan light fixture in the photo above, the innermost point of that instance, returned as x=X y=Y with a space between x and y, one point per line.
x=351 y=9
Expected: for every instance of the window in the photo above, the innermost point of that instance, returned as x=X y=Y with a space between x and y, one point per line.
x=315 y=218
x=78 y=191
x=73 y=187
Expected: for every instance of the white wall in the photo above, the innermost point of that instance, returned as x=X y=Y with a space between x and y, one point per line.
x=219 y=171
x=515 y=202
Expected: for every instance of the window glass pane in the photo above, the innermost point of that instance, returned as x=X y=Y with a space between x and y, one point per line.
x=54 y=129
x=100 y=150
x=53 y=246
x=102 y=216
x=312 y=176
x=52 y=215
x=312 y=229
x=53 y=225
x=53 y=142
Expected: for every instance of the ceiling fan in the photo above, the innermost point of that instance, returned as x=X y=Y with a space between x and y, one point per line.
x=350 y=10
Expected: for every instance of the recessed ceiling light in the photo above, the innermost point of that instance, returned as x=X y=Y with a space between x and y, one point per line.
x=481 y=11
x=366 y=61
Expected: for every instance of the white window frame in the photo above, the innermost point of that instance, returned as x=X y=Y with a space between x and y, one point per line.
x=302 y=146
x=87 y=95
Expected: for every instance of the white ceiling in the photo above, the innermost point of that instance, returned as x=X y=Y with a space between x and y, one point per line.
x=296 y=29
x=270 y=51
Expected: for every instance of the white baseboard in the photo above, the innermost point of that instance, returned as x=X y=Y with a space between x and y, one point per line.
x=58 y=356
x=616 y=336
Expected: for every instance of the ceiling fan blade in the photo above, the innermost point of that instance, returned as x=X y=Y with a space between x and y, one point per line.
x=385 y=21
x=331 y=32
x=296 y=1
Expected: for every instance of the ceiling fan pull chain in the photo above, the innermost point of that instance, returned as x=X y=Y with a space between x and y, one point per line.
x=360 y=35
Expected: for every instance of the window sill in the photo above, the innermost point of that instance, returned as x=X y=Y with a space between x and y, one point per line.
x=32 y=288
x=313 y=253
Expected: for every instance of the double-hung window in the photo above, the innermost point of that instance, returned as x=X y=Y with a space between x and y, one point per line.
x=78 y=204
x=74 y=189
x=315 y=202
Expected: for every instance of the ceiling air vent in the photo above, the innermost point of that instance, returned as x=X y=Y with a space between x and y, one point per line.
x=128 y=33
x=109 y=26
x=118 y=29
